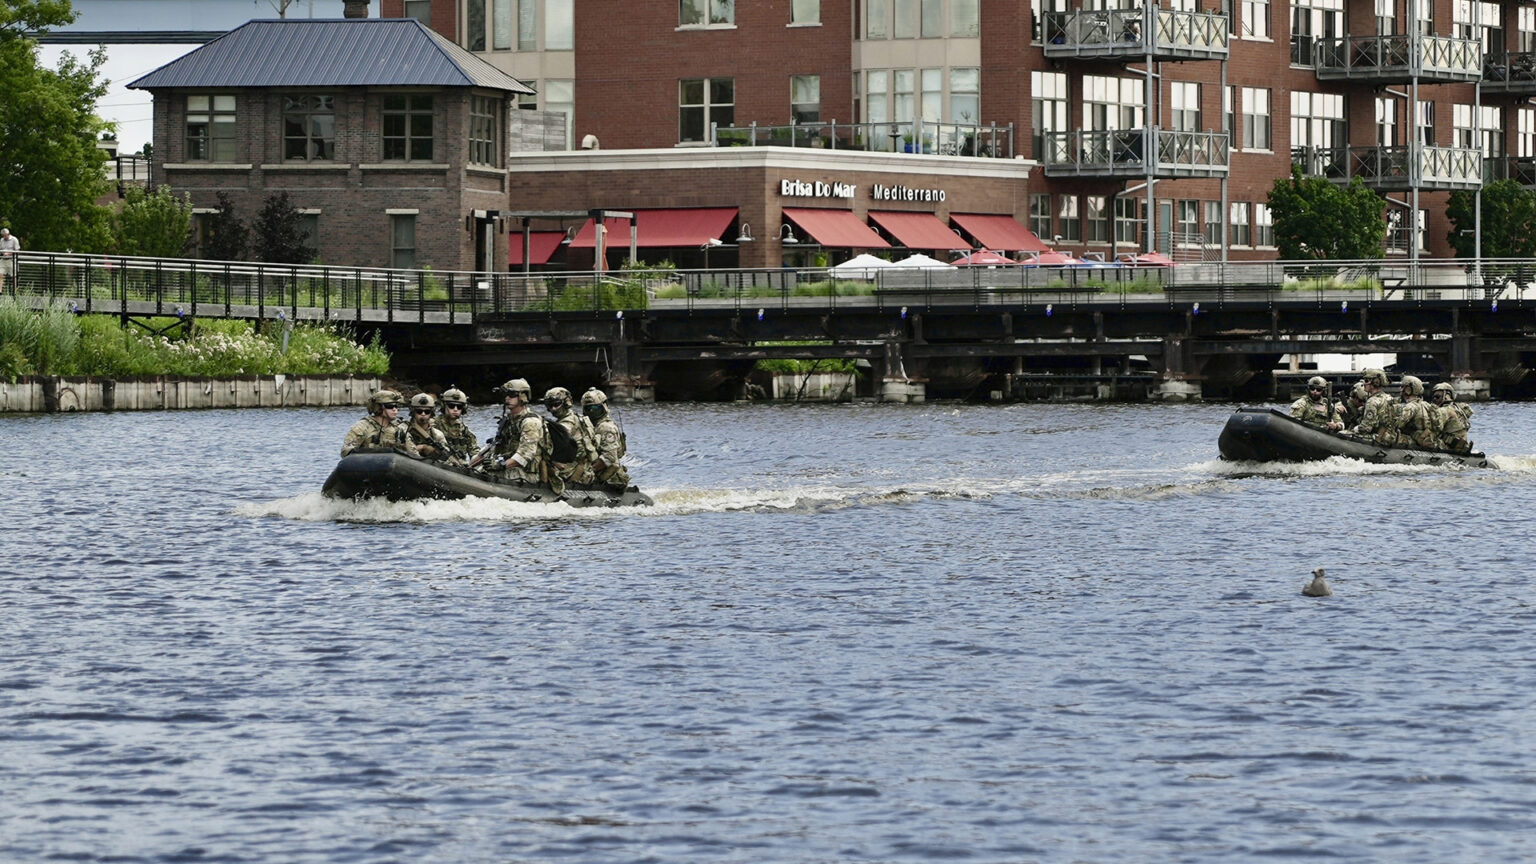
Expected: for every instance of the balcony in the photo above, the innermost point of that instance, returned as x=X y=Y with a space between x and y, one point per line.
x=936 y=139
x=1513 y=73
x=1123 y=153
x=1394 y=168
x=1116 y=35
x=1398 y=59
x=1521 y=169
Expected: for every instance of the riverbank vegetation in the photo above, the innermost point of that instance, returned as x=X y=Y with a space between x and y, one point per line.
x=55 y=341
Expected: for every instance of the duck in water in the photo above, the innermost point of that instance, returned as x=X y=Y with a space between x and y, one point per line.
x=1318 y=587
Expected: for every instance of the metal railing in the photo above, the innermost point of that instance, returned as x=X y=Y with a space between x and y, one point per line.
x=1126 y=149
x=988 y=141
x=1437 y=56
x=166 y=287
x=1120 y=30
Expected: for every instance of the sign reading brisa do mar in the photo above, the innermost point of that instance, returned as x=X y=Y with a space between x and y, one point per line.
x=814 y=189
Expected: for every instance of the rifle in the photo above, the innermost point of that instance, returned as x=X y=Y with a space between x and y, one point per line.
x=501 y=429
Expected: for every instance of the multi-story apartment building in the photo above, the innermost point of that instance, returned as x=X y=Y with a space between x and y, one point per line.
x=1129 y=126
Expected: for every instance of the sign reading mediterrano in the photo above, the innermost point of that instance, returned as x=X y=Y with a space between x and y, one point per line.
x=878 y=192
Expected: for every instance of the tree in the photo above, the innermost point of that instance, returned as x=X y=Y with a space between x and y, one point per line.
x=51 y=171
x=279 y=233
x=225 y=237
x=1509 y=221
x=1315 y=218
x=154 y=224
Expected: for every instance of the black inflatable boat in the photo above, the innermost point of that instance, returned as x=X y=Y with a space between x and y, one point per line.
x=398 y=477
x=1269 y=435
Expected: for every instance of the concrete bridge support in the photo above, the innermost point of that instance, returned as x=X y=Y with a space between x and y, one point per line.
x=893 y=383
x=1178 y=380
x=1468 y=382
x=627 y=378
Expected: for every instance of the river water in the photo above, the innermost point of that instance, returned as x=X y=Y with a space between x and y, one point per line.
x=1049 y=633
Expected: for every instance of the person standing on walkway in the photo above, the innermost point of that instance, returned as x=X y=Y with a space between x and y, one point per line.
x=9 y=246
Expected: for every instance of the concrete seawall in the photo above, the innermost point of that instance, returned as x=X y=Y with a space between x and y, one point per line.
x=45 y=394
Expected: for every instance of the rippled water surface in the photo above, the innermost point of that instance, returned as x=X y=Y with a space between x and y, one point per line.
x=857 y=633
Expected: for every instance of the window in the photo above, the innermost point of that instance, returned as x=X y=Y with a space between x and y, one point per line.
x=1111 y=103
x=1317 y=120
x=905 y=25
x=875 y=14
x=421 y=10
x=1239 y=220
x=1128 y=220
x=877 y=105
x=211 y=128
x=1386 y=121
x=1098 y=219
x=1187 y=212
x=474 y=25
x=1525 y=132
x=407 y=130
x=1525 y=29
x=1040 y=215
x=1478 y=21
x=560 y=98
x=1314 y=21
x=527 y=25
x=484 y=126
x=933 y=18
x=309 y=128
x=1426 y=123
x=805 y=12
x=1228 y=117
x=964 y=17
x=560 y=25
x=1255 y=19
x=501 y=25
x=1263 y=226
x=905 y=100
x=1213 y=223
x=706 y=13
x=1477 y=129
x=933 y=95
x=1256 y=128
x=1386 y=18
x=805 y=98
x=1066 y=219
x=965 y=95
x=402 y=241
x=702 y=102
x=1186 y=106
x=309 y=228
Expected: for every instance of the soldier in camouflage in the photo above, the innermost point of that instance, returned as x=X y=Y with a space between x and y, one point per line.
x=611 y=445
x=381 y=428
x=557 y=401
x=429 y=440
x=1315 y=408
x=1379 y=420
x=1353 y=406
x=1455 y=419
x=462 y=443
x=1415 y=428
x=521 y=447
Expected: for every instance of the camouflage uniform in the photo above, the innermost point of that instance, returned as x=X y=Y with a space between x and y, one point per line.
x=1414 y=426
x=1353 y=406
x=610 y=448
x=373 y=433
x=432 y=437
x=579 y=471
x=1455 y=422
x=524 y=436
x=1315 y=413
x=1379 y=421
x=461 y=440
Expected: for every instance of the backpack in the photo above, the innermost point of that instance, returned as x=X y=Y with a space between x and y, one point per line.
x=562 y=446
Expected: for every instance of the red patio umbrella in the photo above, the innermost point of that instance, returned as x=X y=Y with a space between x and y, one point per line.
x=1146 y=259
x=1051 y=258
x=984 y=258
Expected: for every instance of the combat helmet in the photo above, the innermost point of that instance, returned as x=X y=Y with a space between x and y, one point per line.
x=1358 y=392
x=424 y=401
x=593 y=396
x=1444 y=387
x=1317 y=381
x=1375 y=376
x=382 y=399
x=518 y=386
x=557 y=397
x=455 y=396
x=1412 y=386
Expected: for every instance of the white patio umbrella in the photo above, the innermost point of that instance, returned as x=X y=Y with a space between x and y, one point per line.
x=862 y=266
x=921 y=261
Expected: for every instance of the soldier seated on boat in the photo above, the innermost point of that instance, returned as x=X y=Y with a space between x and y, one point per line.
x=382 y=427
x=557 y=401
x=1415 y=428
x=1353 y=406
x=1316 y=408
x=611 y=445
x=429 y=440
x=521 y=446
x=462 y=443
x=1455 y=419
x=1378 y=421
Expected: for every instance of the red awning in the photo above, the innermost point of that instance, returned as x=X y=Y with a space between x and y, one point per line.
x=838 y=228
x=541 y=246
x=653 y=228
x=999 y=232
x=919 y=231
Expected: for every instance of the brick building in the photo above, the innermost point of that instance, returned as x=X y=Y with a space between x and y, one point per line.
x=1161 y=126
x=388 y=161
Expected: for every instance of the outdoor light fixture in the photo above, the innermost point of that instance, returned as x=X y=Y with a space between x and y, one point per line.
x=745 y=235
x=787 y=234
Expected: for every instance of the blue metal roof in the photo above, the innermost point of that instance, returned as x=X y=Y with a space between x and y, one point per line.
x=339 y=52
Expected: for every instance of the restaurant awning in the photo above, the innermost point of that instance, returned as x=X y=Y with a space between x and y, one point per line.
x=999 y=232
x=691 y=227
x=919 y=231
x=541 y=246
x=838 y=228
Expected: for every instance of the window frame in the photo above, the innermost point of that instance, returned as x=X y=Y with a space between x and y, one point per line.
x=708 y=108
x=409 y=138
x=813 y=7
x=711 y=14
x=310 y=110
x=402 y=257
x=1258 y=123
x=220 y=122
x=797 y=112
x=484 y=133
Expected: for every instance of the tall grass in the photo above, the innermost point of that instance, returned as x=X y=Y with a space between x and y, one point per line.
x=56 y=342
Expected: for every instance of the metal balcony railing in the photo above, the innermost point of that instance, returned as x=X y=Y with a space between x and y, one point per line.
x=1124 y=152
x=989 y=141
x=1514 y=72
x=1118 y=33
x=1395 y=167
x=1399 y=58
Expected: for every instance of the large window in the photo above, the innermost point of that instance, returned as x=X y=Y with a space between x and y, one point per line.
x=1213 y=223
x=1067 y=221
x=211 y=128
x=1098 y=218
x=402 y=241
x=1317 y=120
x=805 y=12
x=1049 y=97
x=560 y=98
x=1186 y=106
x=559 y=25
x=407 y=133
x=1239 y=220
x=1477 y=128
x=876 y=19
x=805 y=98
x=965 y=18
x=1256 y=123
x=1040 y=215
x=1255 y=19
x=1525 y=132
x=1128 y=220
x=1314 y=21
x=1111 y=103
x=527 y=25
x=309 y=128
x=965 y=95
x=474 y=25
x=1263 y=226
x=706 y=13
x=421 y=10
x=933 y=18
x=501 y=24
x=905 y=19
x=702 y=102
x=484 y=131
x=1386 y=121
